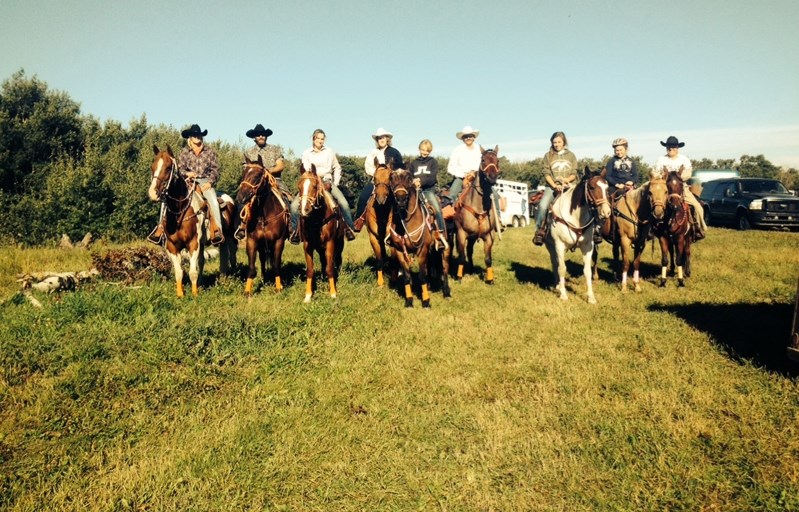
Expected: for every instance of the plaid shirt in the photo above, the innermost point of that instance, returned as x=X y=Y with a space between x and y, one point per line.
x=204 y=165
x=269 y=155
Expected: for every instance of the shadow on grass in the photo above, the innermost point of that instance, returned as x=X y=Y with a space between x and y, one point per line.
x=746 y=332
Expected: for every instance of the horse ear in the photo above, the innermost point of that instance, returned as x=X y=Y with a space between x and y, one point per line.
x=377 y=162
x=313 y=168
x=482 y=151
x=587 y=171
x=155 y=149
x=603 y=172
x=169 y=150
x=496 y=149
x=247 y=159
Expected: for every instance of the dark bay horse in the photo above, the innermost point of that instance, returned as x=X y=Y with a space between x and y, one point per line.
x=633 y=217
x=475 y=218
x=186 y=225
x=413 y=235
x=321 y=230
x=267 y=224
x=675 y=233
x=574 y=213
x=379 y=210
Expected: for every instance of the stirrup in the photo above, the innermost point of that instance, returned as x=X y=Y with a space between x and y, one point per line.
x=358 y=224
x=538 y=239
x=240 y=234
x=294 y=239
x=153 y=238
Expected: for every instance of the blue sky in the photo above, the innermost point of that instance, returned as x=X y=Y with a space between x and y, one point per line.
x=720 y=75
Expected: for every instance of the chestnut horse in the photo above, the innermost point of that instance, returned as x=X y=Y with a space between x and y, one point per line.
x=413 y=235
x=675 y=233
x=475 y=217
x=633 y=217
x=267 y=226
x=321 y=230
x=185 y=223
x=378 y=215
x=574 y=213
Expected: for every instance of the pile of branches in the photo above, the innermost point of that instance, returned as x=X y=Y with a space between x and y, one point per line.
x=132 y=264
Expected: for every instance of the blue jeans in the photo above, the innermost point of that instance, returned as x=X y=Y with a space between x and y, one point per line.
x=338 y=196
x=432 y=200
x=543 y=207
x=213 y=204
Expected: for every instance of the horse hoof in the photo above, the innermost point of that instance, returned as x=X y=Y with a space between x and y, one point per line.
x=426 y=304
x=662 y=283
x=490 y=282
x=592 y=300
x=408 y=303
x=564 y=297
x=681 y=283
x=307 y=299
x=447 y=294
x=638 y=288
x=624 y=289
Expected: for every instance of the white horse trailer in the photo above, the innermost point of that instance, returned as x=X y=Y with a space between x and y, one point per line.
x=514 y=197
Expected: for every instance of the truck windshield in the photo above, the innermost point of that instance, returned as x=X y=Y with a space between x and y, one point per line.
x=763 y=186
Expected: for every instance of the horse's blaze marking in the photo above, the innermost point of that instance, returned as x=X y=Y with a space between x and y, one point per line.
x=306 y=185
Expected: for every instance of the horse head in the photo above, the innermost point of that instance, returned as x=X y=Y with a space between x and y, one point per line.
x=596 y=191
x=676 y=196
x=382 y=180
x=161 y=171
x=489 y=164
x=252 y=178
x=658 y=195
x=308 y=188
x=401 y=187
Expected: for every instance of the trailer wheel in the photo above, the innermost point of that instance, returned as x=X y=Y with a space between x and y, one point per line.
x=515 y=222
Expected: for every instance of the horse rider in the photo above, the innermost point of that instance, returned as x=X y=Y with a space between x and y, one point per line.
x=621 y=171
x=385 y=153
x=424 y=170
x=466 y=158
x=328 y=170
x=197 y=162
x=560 y=169
x=673 y=161
x=272 y=159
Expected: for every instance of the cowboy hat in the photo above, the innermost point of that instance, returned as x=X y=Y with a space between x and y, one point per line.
x=194 y=131
x=381 y=132
x=259 y=130
x=467 y=130
x=672 y=142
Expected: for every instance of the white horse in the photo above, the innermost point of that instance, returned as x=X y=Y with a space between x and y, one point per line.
x=574 y=213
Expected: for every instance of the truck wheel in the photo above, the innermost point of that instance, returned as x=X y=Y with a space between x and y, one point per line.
x=742 y=222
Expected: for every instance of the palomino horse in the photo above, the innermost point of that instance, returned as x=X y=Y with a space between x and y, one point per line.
x=321 y=230
x=185 y=219
x=267 y=221
x=413 y=234
x=475 y=217
x=574 y=212
x=633 y=216
x=379 y=214
x=675 y=233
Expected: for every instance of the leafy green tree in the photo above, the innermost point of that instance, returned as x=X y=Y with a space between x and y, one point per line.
x=36 y=126
x=757 y=167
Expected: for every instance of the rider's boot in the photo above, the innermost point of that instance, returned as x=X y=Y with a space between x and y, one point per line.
x=294 y=239
x=217 y=238
x=349 y=233
x=540 y=234
x=699 y=233
x=241 y=230
x=359 y=223
x=157 y=234
x=597 y=234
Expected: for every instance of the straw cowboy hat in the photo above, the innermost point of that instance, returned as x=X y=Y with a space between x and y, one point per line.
x=194 y=131
x=467 y=130
x=672 y=142
x=259 y=130
x=381 y=132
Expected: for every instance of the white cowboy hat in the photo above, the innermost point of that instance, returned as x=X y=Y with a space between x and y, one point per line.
x=381 y=132
x=467 y=130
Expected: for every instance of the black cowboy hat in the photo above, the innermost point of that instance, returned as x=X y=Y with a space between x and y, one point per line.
x=672 y=142
x=259 y=130
x=194 y=131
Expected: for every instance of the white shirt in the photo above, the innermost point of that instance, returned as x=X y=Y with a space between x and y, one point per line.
x=464 y=159
x=369 y=163
x=327 y=166
x=665 y=165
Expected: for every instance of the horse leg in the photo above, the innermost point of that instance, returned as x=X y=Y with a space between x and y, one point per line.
x=424 y=258
x=196 y=262
x=594 y=260
x=687 y=257
x=626 y=256
x=637 y=251
x=665 y=251
x=588 y=256
x=680 y=257
x=178 y=268
x=251 y=251
x=557 y=256
x=263 y=258
x=309 y=253
x=406 y=276
x=470 y=253
x=277 y=261
x=330 y=266
x=488 y=242
x=379 y=250
x=461 y=253
x=445 y=254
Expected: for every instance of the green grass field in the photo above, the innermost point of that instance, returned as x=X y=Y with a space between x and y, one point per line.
x=501 y=398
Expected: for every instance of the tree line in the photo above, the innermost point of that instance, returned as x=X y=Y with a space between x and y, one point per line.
x=65 y=172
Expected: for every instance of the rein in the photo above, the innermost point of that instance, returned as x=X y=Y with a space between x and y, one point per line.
x=190 y=186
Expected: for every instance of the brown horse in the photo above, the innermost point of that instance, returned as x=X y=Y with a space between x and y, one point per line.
x=475 y=216
x=633 y=216
x=185 y=224
x=321 y=230
x=379 y=215
x=675 y=233
x=413 y=235
x=267 y=224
